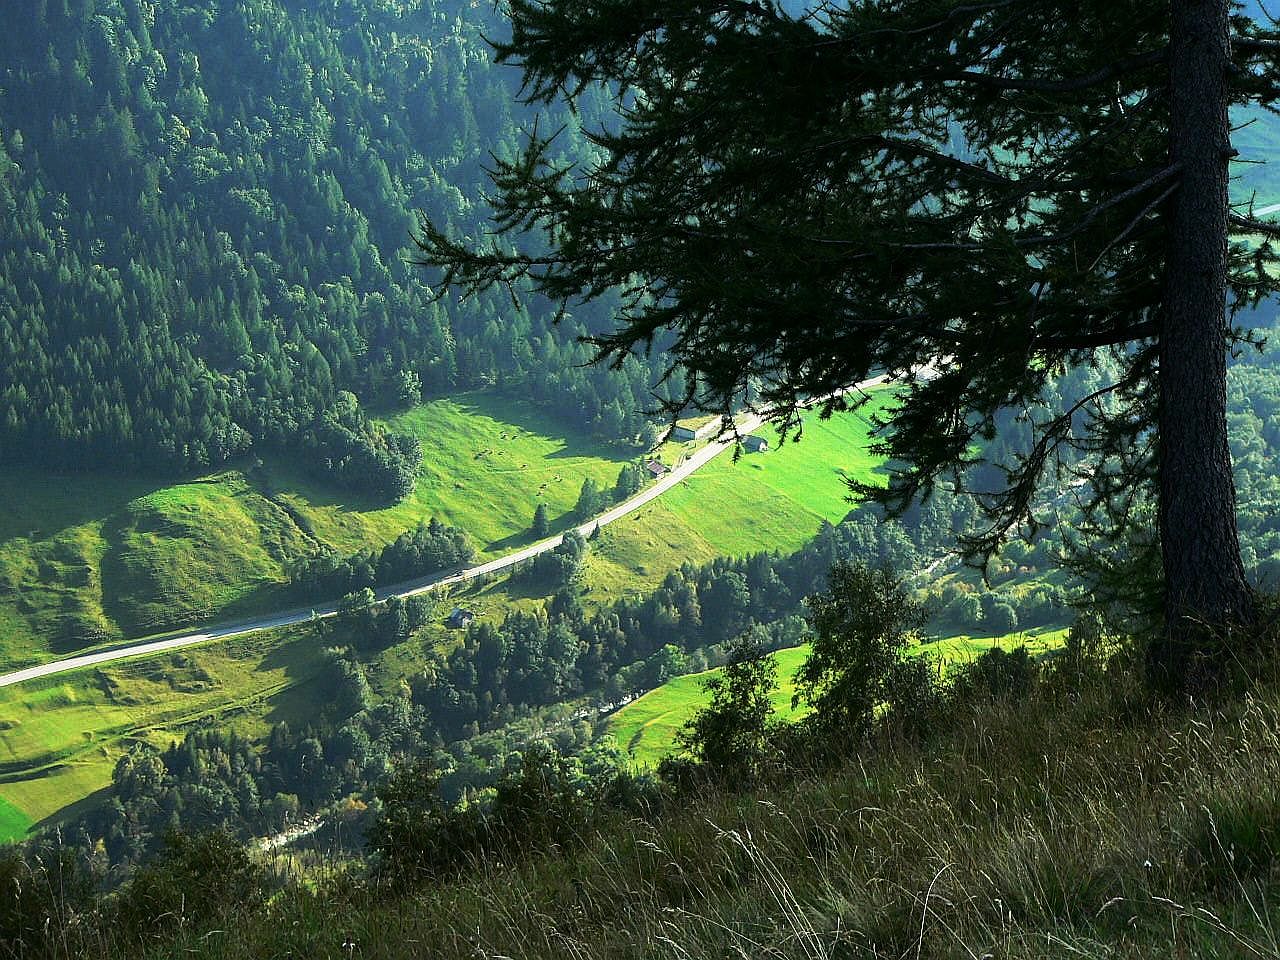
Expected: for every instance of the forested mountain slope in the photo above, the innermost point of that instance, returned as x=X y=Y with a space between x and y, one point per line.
x=205 y=216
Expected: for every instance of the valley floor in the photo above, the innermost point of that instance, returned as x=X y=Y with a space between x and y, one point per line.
x=61 y=736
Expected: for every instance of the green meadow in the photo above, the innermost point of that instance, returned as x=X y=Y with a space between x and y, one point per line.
x=131 y=558
x=774 y=500
x=646 y=728
x=90 y=560
x=13 y=822
x=60 y=737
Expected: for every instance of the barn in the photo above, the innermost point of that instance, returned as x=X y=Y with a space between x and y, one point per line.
x=656 y=468
x=686 y=430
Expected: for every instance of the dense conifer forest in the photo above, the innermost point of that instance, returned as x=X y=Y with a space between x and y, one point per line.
x=206 y=211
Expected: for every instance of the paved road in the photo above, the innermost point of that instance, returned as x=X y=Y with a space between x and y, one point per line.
x=695 y=462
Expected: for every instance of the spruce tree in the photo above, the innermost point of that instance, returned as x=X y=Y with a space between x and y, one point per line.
x=588 y=499
x=970 y=196
x=541 y=522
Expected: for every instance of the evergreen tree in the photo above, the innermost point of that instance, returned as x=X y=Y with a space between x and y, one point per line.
x=588 y=499
x=974 y=197
x=202 y=259
x=541 y=522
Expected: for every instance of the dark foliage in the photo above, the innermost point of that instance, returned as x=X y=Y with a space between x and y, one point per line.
x=562 y=567
x=544 y=804
x=428 y=548
x=1005 y=675
x=47 y=900
x=973 y=197
x=732 y=738
x=192 y=882
x=863 y=627
x=205 y=211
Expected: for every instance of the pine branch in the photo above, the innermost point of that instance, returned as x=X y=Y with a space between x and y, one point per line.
x=1071 y=84
x=1250 y=225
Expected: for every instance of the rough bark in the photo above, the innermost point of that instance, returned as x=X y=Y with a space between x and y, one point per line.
x=1206 y=593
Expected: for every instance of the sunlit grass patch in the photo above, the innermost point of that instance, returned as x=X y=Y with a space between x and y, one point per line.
x=647 y=727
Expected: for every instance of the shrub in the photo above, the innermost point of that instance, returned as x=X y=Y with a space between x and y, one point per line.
x=541 y=805
x=194 y=881
x=1001 y=620
x=545 y=803
x=996 y=675
x=415 y=835
x=45 y=891
x=730 y=738
x=864 y=626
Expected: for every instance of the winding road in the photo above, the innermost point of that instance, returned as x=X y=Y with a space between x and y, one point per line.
x=692 y=464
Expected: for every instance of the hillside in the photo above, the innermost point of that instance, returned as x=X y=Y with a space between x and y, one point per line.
x=1060 y=824
x=771 y=501
x=751 y=717
x=207 y=210
x=646 y=728
x=88 y=559
x=61 y=738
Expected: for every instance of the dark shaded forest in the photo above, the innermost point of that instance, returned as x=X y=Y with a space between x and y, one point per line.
x=206 y=213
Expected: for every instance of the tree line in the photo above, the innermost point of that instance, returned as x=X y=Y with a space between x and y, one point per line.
x=428 y=548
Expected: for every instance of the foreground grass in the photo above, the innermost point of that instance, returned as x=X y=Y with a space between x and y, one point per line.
x=1091 y=827
x=646 y=728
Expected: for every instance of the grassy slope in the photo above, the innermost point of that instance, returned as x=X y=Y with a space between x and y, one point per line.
x=1087 y=827
x=646 y=728
x=13 y=822
x=60 y=739
x=763 y=501
x=488 y=462
x=98 y=558
x=93 y=559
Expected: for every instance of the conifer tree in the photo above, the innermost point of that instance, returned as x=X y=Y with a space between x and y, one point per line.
x=971 y=196
x=541 y=523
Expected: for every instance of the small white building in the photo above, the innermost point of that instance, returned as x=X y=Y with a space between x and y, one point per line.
x=686 y=430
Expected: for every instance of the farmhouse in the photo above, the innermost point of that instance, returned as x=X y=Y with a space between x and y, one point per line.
x=754 y=444
x=656 y=468
x=459 y=618
x=686 y=430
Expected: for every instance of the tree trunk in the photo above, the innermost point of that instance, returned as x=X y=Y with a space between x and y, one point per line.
x=1205 y=589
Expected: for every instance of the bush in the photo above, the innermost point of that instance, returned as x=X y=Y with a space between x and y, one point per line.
x=864 y=626
x=1001 y=619
x=415 y=835
x=996 y=675
x=45 y=891
x=730 y=738
x=543 y=804
x=194 y=881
